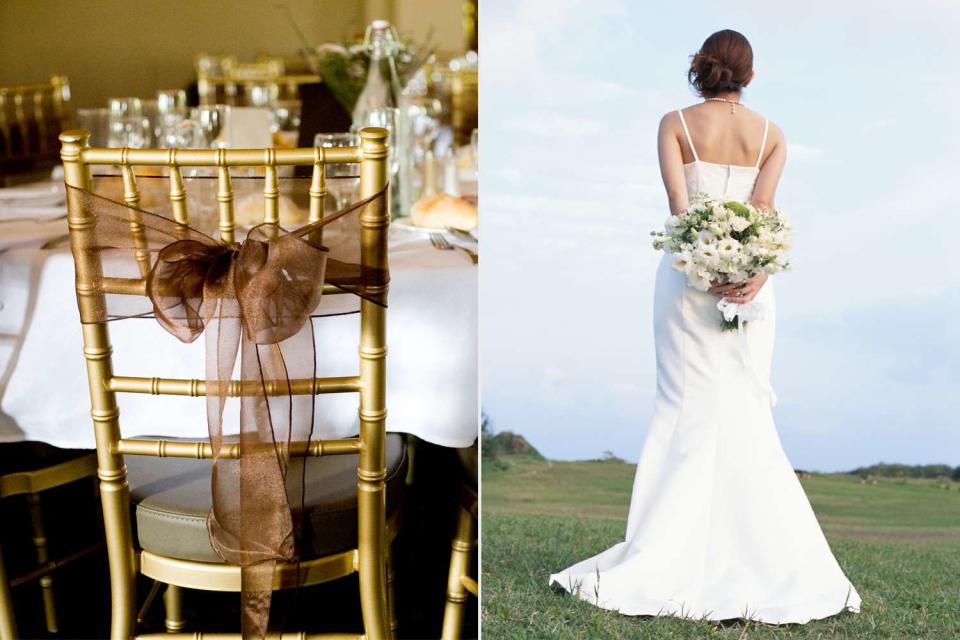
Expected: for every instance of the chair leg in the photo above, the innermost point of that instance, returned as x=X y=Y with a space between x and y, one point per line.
x=8 y=624
x=40 y=543
x=115 y=502
x=373 y=598
x=391 y=595
x=173 y=607
x=464 y=543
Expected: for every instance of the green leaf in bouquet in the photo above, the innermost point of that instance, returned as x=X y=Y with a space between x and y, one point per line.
x=738 y=208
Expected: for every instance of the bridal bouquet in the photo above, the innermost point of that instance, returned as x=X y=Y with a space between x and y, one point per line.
x=721 y=242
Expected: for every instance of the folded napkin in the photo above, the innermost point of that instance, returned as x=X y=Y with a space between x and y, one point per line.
x=25 y=233
x=47 y=193
x=32 y=214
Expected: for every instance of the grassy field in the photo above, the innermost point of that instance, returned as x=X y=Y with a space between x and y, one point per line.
x=897 y=540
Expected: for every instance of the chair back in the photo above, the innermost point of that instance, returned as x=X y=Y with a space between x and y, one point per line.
x=31 y=118
x=92 y=286
x=223 y=80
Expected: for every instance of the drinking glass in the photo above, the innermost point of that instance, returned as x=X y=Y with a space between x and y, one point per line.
x=424 y=117
x=172 y=101
x=344 y=184
x=97 y=123
x=209 y=120
x=261 y=95
x=286 y=116
x=128 y=127
x=170 y=112
x=386 y=118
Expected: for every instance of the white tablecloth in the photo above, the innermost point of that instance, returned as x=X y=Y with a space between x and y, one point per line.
x=431 y=362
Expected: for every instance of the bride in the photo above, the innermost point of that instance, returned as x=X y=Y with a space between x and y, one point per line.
x=719 y=525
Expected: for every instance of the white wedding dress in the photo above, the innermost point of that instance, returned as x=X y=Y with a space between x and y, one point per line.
x=719 y=525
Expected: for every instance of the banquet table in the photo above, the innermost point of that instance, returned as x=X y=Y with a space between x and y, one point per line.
x=431 y=341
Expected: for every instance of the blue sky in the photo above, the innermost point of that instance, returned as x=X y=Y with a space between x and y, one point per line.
x=867 y=363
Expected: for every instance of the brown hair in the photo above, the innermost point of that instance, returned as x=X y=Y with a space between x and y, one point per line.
x=724 y=63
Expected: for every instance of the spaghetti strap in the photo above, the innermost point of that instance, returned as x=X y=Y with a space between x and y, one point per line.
x=763 y=143
x=686 y=132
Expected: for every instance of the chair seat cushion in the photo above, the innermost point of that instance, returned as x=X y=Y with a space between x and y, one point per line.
x=171 y=498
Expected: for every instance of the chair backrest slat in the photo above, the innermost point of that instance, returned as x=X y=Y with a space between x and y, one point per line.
x=178 y=194
x=225 y=203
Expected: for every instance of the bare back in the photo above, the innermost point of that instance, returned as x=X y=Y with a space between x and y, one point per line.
x=715 y=136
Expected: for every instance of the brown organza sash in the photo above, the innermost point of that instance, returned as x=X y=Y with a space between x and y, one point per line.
x=255 y=298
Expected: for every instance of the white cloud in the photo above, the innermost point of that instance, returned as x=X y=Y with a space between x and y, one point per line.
x=802 y=152
x=555 y=125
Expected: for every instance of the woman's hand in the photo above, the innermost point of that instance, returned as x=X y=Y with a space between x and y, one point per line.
x=740 y=292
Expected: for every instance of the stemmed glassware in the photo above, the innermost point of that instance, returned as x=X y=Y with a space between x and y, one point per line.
x=171 y=112
x=128 y=127
x=209 y=121
x=344 y=183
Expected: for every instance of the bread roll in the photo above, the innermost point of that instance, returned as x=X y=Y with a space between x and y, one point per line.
x=441 y=211
x=248 y=211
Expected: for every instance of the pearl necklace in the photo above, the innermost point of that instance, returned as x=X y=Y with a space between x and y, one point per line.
x=733 y=103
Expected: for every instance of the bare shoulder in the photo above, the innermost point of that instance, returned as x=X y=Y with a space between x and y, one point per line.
x=669 y=122
x=775 y=134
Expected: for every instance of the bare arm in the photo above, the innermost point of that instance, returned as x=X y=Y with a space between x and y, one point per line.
x=764 y=191
x=671 y=163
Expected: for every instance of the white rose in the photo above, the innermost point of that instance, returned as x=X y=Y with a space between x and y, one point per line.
x=739 y=224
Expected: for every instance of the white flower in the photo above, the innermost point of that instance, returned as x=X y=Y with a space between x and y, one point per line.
x=728 y=247
x=700 y=279
x=706 y=237
x=707 y=254
x=683 y=262
x=739 y=224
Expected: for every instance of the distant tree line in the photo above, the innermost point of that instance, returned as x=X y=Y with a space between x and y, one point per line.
x=885 y=470
x=493 y=446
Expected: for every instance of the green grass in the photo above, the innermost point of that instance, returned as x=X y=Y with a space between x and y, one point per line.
x=897 y=540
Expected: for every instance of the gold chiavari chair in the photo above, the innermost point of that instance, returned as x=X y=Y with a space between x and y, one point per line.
x=379 y=459
x=230 y=82
x=31 y=118
x=460 y=585
x=31 y=468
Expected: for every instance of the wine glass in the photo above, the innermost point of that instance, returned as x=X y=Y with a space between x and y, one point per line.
x=171 y=110
x=97 y=122
x=128 y=127
x=424 y=116
x=344 y=184
x=209 y=121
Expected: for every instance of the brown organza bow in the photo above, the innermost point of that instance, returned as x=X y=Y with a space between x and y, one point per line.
x=255 y=298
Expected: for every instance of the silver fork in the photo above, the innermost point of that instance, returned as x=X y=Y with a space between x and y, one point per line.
x=463 y=235
x=440 y=242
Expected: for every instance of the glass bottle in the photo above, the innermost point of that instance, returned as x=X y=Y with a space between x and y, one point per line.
x=381 y=104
